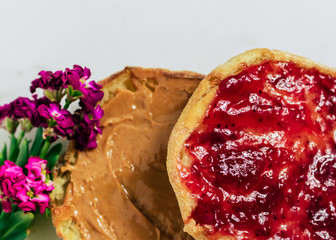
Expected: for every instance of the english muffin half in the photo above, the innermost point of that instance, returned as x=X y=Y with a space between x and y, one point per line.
x=120 y=190
x=252 y=155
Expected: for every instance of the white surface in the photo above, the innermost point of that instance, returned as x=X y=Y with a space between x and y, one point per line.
x=180 y=35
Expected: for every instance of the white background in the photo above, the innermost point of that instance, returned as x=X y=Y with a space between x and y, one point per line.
x=180 y=35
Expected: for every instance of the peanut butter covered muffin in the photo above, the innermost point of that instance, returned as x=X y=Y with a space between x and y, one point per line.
x=120 y=190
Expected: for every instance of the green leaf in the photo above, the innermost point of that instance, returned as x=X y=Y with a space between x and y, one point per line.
x=4 y=152
x=70 y=89
x=3 y=155
x=38 y=143
x=3 y=219
x=17 y=236
x=13 y=149
x=45 y=148
x=23 y=155
x=53 y=155
x=16 y=225
x=77 y=94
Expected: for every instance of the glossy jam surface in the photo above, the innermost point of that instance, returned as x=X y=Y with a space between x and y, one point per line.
x=264 y=157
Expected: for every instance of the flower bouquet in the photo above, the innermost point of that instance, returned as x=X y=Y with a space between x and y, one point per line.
x=26 y=176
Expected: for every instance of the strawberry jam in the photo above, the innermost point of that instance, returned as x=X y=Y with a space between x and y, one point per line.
x=264 y=156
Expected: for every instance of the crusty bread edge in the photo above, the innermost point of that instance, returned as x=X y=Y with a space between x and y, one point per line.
x=194 y=113
x=67 y=228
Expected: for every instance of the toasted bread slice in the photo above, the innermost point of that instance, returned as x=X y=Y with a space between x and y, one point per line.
x=120 y=190
x=182 y=162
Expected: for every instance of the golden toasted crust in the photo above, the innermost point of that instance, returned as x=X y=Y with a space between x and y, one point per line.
x=66 y=227
x=194 y=113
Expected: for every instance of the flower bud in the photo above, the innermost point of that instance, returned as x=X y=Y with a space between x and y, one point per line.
x=11 y=125
x=49 y=133
x=26 y=124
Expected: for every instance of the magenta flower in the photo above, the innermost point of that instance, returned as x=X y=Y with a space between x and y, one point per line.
x=65 y=127
x=48 y=80
x=56 y=121
x=83 y=126
x=52 y=111
x=47 y=112
x=4 y=112
x=97 y=113
x=85 y=138
x=56 y=112
x=53 y=84
x=90 y=98
x=87 y=128
x=78 y=79
x=37 y=120
x=5 y=121
x=21 y=108
x=93 y=116
x=77 y=76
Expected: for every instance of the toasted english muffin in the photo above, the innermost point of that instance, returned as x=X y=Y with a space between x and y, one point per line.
x=252 y=155
x=120 y=190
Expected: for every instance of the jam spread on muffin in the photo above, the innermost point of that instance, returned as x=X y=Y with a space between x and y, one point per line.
x=264 y=156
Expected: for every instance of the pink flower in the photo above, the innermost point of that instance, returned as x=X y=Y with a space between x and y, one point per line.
x=27 y=206
x=21 y=193
x=6 y=205
x=42 y=200
x=11 y=171
x=28 y=192
x=35 y=167
x=11 y=176
x=38 y=175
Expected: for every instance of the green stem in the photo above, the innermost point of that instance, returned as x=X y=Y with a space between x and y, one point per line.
x=67 y=103
x=59 y=95
x=45 y=148
x=22 y=133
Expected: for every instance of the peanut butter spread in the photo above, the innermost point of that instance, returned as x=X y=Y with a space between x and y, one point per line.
x=120 y=190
